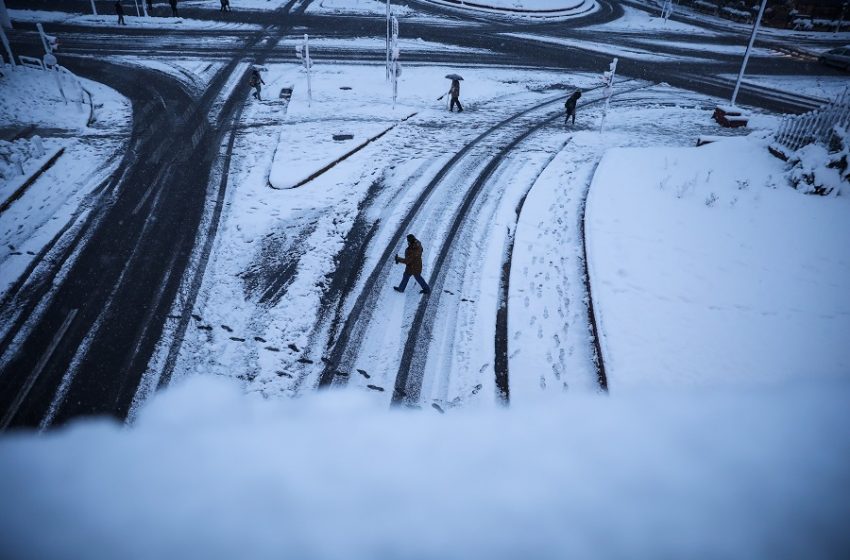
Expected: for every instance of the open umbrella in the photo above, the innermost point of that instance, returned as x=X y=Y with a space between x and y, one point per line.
x=454 y=77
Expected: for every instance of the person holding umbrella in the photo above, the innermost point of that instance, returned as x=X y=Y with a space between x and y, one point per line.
x=454 y=92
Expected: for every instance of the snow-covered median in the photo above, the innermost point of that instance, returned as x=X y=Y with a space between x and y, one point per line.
x=707 y=268
x=208 y=472
x=527 y=8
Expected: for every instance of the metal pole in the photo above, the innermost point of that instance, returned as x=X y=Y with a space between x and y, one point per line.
x=138 y=12
x=840 y=19
x=307 y=64
x=747 y=52
x=44 y=42
x=7 y=46
x=5 y=21
x=93 y=8
x=395 y=54
x=388 y=39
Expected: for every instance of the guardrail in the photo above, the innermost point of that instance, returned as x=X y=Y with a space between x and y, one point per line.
x=816 y=126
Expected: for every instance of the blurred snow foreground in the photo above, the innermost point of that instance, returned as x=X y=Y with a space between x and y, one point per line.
x=209 y=472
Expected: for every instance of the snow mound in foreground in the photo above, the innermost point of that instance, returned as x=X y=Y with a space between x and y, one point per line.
x=208 y=472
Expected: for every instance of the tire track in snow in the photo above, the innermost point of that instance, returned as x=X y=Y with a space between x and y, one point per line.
x=410 y=374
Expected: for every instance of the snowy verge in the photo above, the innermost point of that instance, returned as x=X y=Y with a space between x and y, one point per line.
x=209 y=472
x=707 y=269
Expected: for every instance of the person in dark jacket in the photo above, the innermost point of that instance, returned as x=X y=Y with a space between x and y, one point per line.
x=255 y=82
x=225 y=5
x=570 y=107
x=454 y=92
x=150 y=7
x=412 y=262
x=119 y=11
x=173 y=8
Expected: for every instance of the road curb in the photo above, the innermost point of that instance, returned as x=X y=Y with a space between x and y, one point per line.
x=340 y=159
x=593 y=319
x=19 y=192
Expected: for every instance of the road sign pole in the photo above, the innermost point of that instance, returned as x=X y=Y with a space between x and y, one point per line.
x=395 y=54
x=388 y=39
x=93 y=8
x=747 y=52
x=837 y=25
x=308 y=63
x=5 y=21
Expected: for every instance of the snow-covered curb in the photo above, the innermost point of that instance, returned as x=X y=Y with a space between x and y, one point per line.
x=288 y=174
x=13 y=190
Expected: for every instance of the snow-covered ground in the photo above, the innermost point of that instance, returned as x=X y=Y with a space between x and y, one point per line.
x=91 y=153
x=743 y=279
x=275 y=248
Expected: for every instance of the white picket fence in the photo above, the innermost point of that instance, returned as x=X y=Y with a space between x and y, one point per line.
x=817 y=125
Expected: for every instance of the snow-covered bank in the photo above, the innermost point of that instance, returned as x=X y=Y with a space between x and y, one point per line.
x=707 y=268
x=208 y=472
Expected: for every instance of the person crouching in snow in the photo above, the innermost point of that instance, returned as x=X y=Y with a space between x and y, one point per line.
x=570 y=107
x=256 y=80
x=413 y=265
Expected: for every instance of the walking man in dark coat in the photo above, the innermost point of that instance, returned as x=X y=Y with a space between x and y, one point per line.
x=173 y=8
x=119 y=11
x=570 y=107
x=454 y=92
x=412 y=262
x=255 y=82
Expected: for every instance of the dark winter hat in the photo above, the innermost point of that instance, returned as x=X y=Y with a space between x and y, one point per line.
x=410 y=237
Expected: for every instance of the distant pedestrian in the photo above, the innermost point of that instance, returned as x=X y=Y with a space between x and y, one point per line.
x=256 y=83
x=454 y=93
x=570 y=107
x=173 y=8
x=119 y=11
x=225 y=5
x=150 y=7
x=413 y=265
